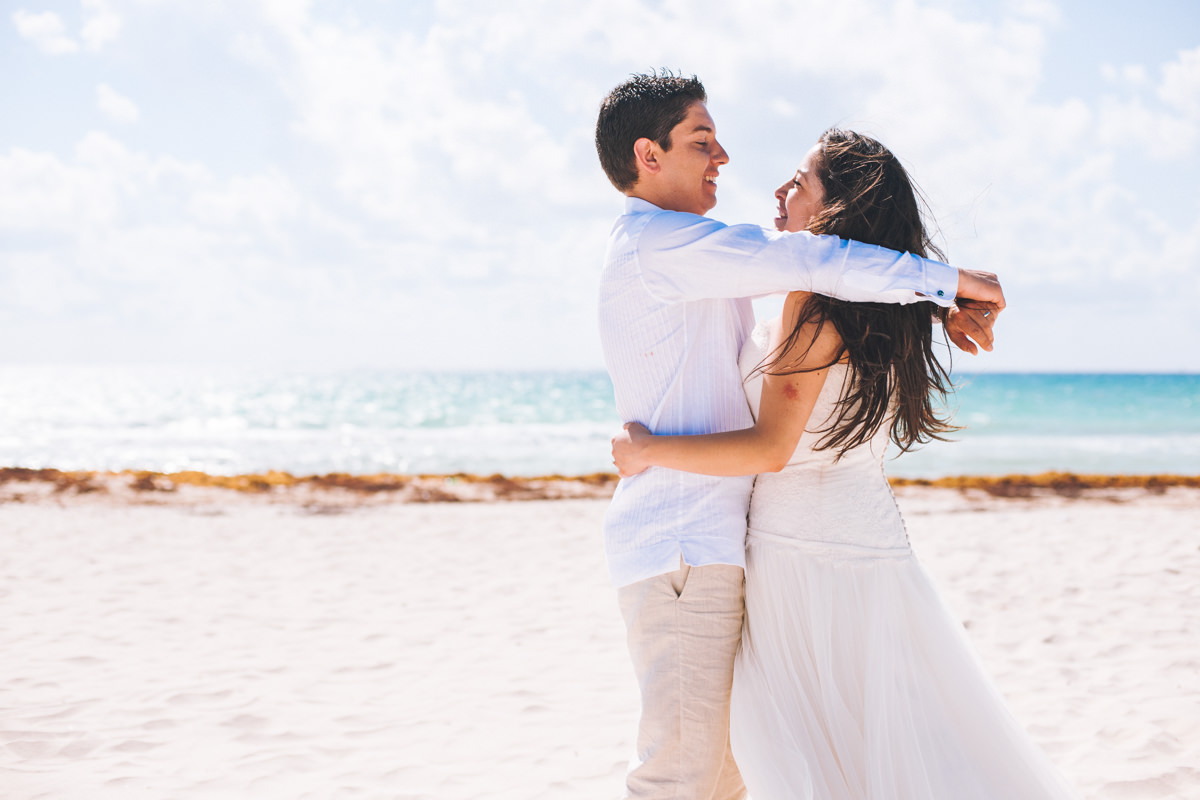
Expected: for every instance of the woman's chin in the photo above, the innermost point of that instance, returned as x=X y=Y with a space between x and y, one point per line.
x=781 y=223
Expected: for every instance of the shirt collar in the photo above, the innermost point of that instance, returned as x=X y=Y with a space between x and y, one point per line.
x=636 y=205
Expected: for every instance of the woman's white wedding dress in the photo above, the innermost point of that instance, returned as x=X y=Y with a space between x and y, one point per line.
x=853 y=681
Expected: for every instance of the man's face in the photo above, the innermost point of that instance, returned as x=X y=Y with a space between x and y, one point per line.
x=689 y=169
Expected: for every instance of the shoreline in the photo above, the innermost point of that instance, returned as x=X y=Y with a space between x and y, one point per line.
x=22 y=484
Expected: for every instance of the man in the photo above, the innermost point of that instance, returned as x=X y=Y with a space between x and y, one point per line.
x=673 y=318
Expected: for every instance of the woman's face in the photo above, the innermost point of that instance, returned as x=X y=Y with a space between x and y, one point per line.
x=801 y=196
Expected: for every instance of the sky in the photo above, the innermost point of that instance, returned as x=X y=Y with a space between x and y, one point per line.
x=414 y=185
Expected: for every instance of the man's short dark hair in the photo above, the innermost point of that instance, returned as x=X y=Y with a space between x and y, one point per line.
x=645 y=106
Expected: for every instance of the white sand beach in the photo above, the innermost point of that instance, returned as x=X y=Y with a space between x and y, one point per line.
x=211 y=644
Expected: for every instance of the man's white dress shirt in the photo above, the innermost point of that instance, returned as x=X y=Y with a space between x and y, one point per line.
x=674 y=313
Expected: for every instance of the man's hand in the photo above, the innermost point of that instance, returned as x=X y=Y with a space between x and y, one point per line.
x=974 y=322
x=627 y=449
x=982 y=287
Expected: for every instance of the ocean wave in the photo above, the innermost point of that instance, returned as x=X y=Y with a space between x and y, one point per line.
x=230 y=421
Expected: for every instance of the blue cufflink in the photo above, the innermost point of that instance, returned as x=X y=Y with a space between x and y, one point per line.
x=941 y=293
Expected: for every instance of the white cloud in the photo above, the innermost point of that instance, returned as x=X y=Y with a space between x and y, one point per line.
x=1181 y=83
x=432 y=168
x=45 y=30
x=115 y=105
x=1132 y=123
x=36 y=192
x=165 y=252
x=429 y=146
x=101 y=24
x=1172 y=123
x=111 y=214
x=1129 y=75
x=1045 y=11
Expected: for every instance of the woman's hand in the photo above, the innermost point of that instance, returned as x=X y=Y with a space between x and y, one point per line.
x=971 y=320
x=628 y=449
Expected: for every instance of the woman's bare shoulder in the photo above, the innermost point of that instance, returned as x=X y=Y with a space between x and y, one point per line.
x=814 y=344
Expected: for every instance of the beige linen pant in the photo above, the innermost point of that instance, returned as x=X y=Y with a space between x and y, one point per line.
x=683 y=631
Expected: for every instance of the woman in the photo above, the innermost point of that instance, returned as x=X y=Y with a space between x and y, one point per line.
x=852 y=680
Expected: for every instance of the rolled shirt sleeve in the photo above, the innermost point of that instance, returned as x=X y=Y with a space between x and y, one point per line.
x=690 y=257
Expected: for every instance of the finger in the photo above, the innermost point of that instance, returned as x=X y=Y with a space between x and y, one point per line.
x=979 y=328
x=971 y=303
x=984 y=318
x=987 y=321
x=975 y=323
x=970 y=329
x=962 y=342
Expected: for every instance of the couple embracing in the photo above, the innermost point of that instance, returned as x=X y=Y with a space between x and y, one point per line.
x=796 y=649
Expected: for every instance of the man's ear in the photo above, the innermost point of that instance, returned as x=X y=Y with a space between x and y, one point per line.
x=645 y=152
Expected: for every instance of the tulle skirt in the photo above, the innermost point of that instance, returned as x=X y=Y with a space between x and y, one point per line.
x=853 y=682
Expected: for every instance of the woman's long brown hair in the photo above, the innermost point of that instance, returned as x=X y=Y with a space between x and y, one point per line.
x=888 y=347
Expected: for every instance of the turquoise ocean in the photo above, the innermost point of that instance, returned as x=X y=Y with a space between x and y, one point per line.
x=233 y=421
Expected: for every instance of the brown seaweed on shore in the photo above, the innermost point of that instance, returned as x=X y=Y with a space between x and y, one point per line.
x=360 y=483
x=1065 y=484
x=459 y=487
x=402 y=488
x=78 y=482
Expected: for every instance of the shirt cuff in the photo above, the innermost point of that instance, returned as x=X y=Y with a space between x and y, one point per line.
x=941 y=283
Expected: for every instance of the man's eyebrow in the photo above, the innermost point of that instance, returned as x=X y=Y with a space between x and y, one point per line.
x=702 y=128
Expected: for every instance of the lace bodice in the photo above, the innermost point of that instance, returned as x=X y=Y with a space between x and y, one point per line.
x=816 y=498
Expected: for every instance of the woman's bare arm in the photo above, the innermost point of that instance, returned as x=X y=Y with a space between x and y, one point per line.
x=786 y=404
